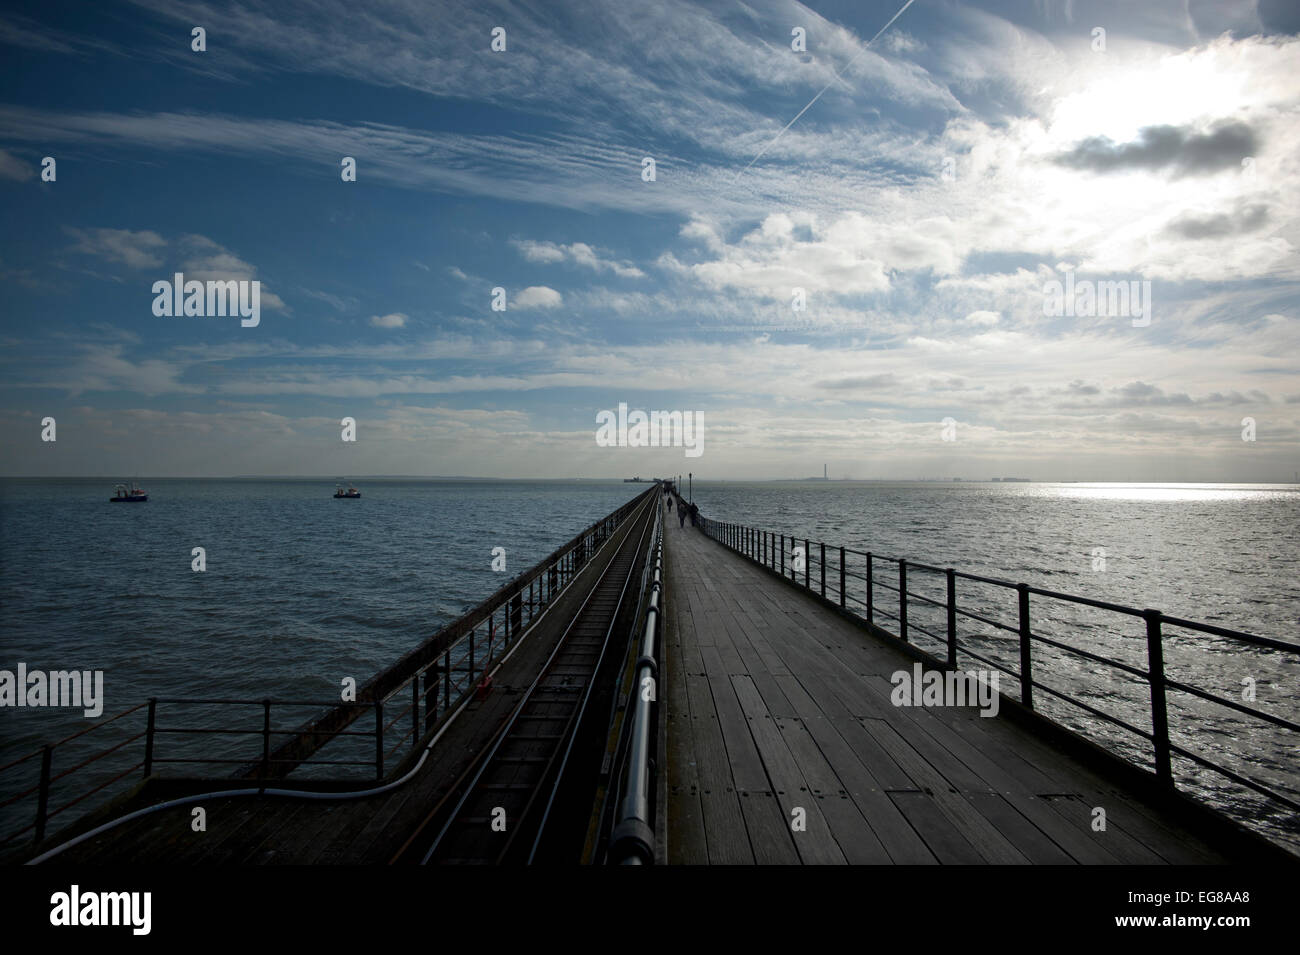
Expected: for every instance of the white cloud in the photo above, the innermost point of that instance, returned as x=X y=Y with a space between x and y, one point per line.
x=197 y=256
x=578 y=253
x=393 y=320
x=538 y=296
x=135 y=250
x=539 y=251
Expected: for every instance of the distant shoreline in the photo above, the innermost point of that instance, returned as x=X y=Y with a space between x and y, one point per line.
x=469 y=479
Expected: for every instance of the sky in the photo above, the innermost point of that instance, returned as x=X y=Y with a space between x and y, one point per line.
x=845 y=255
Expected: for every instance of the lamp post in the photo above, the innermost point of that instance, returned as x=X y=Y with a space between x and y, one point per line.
x=691 y=488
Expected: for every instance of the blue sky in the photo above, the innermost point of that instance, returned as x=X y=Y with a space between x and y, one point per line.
x=949 y=171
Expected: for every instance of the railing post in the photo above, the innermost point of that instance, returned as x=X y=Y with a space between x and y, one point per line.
x=807 y=562
x=379 y=739
x=446 y=678
x=782 y=555
x=842 y=577
x=43 y=799
x=871 y=597
x=902 y=600
x=415 y=709
x=1026 y=662
x=266 y=739
x=148 y=736
x=1159 y=712
x=822 y=561
x=430 y=696
x=952 y=618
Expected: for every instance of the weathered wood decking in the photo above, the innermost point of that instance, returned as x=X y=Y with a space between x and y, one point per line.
x=776 y=702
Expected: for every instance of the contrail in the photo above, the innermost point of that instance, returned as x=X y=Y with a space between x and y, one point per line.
x=824 y=89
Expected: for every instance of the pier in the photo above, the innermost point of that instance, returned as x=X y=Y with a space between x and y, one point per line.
x=658 y=693
x=777 y=703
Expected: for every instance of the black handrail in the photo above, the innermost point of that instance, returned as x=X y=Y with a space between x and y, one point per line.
x=633 y=839
x=770 y=549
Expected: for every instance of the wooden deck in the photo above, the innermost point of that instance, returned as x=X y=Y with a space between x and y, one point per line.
x=775 y=702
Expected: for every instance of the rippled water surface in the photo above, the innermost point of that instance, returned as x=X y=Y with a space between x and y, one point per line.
x=300 y=589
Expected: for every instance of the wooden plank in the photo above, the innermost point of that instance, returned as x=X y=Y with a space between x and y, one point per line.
x=855 y=836
x=742 y=753
x=887 y=773
x=770 y=837
x=1078 y=843
x=978 y=831
x=896 y=836
x=815 y=843
x=724 y=827
x=773 y=697
x=1115 y=840
x=686 y=837
x=934 y=826
x=1032 y=842
x=1175 y=847
x=268 y=814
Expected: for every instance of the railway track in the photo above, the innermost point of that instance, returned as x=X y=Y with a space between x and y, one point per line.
x=502 y=811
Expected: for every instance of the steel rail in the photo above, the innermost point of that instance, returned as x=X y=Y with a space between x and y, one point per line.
x=486 y=758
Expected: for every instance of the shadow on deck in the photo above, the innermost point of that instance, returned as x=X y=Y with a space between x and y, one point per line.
x=777 y=703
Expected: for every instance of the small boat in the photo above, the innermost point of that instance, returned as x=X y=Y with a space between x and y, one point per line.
x=132 y=494
x=350 y=492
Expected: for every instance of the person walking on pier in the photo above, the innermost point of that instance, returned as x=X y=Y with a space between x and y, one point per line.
x=670 y=504
x=681 y=514
x=695 y=513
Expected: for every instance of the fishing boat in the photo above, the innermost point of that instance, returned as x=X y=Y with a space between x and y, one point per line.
x=350 y=492
x=133 y=493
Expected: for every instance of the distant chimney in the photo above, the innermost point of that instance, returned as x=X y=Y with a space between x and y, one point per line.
x=824 y=473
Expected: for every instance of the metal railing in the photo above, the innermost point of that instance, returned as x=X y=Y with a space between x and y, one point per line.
x=855 y=580
x=413 y=697
x=633 y=839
